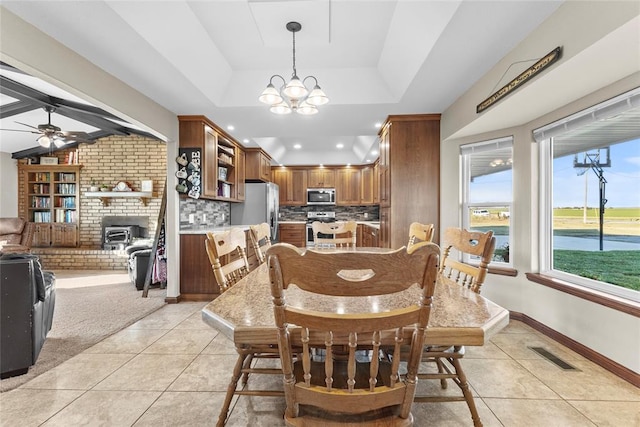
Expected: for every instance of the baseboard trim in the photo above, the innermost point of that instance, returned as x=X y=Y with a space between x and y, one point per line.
x=172 y=300
x=597 y=358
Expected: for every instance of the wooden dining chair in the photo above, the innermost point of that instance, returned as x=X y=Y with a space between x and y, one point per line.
x=227 y=253
x=343 y=234
x=457 y=243
x=260 y=236
x=419 y=233
x=363 y=388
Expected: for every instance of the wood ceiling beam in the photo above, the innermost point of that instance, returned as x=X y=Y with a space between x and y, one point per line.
x=17 y=107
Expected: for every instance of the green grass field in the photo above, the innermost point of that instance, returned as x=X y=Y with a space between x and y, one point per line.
x=593 y=212
x=621 y=268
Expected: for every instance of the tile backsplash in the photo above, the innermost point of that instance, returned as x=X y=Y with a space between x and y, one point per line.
x=209 y=213
x=343 y=213
x=206 y=213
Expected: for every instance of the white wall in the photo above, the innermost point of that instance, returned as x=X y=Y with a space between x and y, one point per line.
x=9 y=186
x=611 y=333
x=28 y=49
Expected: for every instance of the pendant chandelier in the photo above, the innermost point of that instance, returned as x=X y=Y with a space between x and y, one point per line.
x=293 y=96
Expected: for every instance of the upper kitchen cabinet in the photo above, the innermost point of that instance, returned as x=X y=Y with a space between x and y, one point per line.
x=241 y=168
x=409 y=176
x=222 y=163
x=258 y=165
x=348 y=186
x=321 y=178
x=292 y=185
x=367 y=187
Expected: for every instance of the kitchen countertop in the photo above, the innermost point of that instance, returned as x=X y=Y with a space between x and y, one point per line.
x=204 y=229
x=217 y=229
x=374 y=224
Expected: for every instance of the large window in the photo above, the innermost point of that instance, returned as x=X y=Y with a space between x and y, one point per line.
x=487 y=192
x=590 y=210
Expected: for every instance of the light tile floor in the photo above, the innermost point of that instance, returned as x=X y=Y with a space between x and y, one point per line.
x=171 y=369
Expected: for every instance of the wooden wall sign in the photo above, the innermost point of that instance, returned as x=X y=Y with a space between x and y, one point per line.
x=522 y=78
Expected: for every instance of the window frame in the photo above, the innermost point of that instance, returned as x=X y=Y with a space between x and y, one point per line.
x=545 y=236
x=466 y=206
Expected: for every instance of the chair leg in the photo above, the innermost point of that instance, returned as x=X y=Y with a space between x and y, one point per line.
x=231 y=389
x=245 y=366
x=464 y=386
x=443 y=381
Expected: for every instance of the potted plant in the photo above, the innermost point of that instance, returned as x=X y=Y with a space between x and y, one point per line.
x=104 y=187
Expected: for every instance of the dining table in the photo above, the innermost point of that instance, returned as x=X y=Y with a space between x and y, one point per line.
x=244 y=314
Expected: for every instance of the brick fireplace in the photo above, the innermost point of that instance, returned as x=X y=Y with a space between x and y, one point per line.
x=112 y=159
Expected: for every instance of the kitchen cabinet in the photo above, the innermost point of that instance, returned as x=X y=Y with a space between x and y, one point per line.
x=258 y=165
x=219 y=169
x=240 y=174
x=369 y=236
x=348 y=186
x=294 y=234
x=292 y=185
x=197 y=281
x=409 y=174
x=367 y=174
x=321 y=178
x=50 y=198
x=376 y=181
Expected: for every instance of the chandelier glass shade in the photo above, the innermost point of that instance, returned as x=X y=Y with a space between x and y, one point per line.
x=294 y=95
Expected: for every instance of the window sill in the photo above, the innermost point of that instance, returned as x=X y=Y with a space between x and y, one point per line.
x=611 y=301
x=503 y=271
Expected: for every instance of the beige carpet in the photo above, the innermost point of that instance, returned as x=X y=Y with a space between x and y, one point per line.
x=90 y=306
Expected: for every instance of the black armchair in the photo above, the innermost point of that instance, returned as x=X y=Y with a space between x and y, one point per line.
x=27 y=302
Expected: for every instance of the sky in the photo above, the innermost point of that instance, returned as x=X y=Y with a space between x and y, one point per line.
x=621 y=190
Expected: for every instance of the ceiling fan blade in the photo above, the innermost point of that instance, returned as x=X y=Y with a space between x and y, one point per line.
x=24 y=124
x=75 y=135
x=19 y=130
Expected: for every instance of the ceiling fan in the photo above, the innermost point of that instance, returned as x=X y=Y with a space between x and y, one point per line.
x=50 y=133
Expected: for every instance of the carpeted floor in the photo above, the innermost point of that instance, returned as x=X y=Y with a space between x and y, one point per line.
x=90 y=306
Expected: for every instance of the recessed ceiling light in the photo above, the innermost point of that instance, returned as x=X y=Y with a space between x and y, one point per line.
x=368 y=160
x=246 y=141
x=348 y=164
x=297 y=146
x=374 y=153
x=230 y=127
x=339 y=145
x=377 y=125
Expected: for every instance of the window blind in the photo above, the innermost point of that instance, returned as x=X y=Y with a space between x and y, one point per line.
x=602 y=111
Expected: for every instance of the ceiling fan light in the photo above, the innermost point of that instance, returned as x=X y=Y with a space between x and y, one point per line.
x=270 y=95
x=306 y=109
x=281 y=108
x=59 y=141
x=317 y=97
x=295 y=89
x=44 y=141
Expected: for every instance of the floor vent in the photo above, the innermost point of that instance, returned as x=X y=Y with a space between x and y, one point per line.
x=553 y=358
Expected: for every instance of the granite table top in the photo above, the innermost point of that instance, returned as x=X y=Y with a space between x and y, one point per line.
x=244 y=313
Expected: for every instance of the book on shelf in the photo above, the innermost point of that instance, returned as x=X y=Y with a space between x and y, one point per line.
x=71 y=158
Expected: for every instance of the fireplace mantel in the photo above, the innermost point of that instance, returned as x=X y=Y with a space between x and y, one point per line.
x=106 y=196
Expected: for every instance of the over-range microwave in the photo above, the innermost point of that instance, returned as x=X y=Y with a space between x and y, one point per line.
x=321 y=196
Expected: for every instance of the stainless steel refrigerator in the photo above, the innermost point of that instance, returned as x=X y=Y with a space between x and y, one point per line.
x=260 y=205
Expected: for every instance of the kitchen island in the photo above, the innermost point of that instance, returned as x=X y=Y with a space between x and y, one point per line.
x=197 y=282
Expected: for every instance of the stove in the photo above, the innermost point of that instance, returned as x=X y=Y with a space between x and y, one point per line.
x=317 y=216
